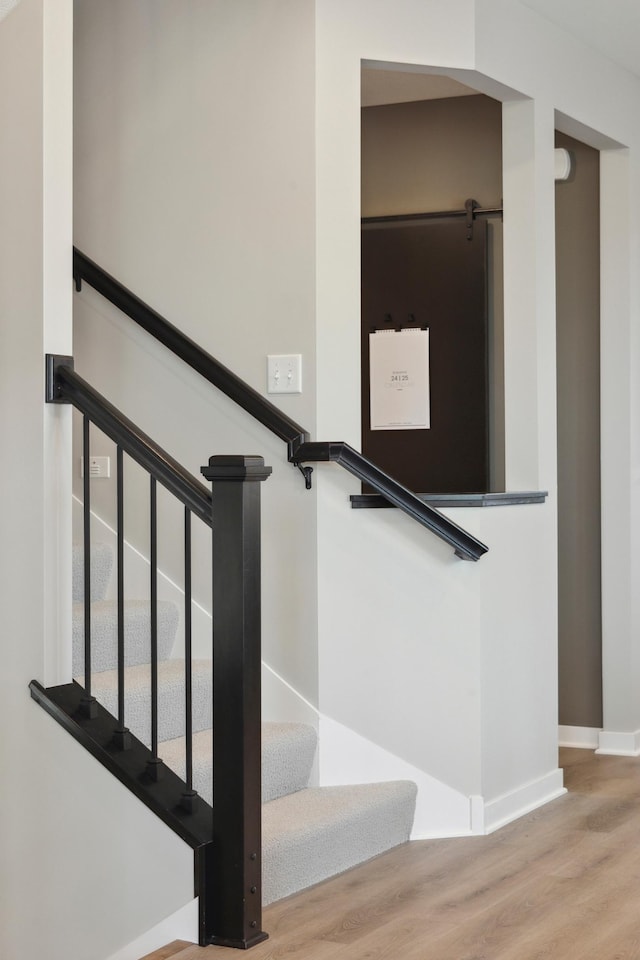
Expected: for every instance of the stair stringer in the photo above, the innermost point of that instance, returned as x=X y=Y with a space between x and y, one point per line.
x=345 y=756
x=441 y=811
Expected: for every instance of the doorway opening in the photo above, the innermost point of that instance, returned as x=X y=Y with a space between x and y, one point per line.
x=432 y=145
x=578 y=421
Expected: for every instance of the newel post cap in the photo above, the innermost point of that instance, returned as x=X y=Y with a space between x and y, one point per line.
x=235 y=467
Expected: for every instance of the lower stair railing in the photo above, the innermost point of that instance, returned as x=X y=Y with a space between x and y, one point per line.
x=225 y=837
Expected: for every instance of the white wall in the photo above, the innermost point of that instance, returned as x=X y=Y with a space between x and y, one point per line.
x=619 y=453
x=69 y=866
x=398 y=615
x=194 y=146
x=423 y=692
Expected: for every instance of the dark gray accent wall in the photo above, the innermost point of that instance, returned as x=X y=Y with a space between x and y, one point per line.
x=578 y=367
x=431 y=155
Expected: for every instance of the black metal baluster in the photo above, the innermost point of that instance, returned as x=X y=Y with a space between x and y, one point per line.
x=154 y=767
x=121 y=734
x=190 y=795
x=88 y=704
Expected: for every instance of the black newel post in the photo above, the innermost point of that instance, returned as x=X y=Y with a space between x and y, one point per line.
x=232 y=911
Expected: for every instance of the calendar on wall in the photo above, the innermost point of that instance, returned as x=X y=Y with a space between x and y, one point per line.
x=399 y=379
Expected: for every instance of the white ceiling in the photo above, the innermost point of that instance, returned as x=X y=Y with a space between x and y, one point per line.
x=610 y=26
x=394 y=86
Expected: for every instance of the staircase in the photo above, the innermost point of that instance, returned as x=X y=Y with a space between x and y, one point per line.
x=148 y=717
x=308 y=833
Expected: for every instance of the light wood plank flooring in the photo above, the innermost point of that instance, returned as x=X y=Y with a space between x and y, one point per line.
x=563 y=883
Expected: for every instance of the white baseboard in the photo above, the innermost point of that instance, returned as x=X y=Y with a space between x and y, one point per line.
x=181 y=925
x=584 y=737
x=511 y=806
x=611 y=743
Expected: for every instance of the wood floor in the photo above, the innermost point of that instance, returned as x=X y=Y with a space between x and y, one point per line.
x=562 y=883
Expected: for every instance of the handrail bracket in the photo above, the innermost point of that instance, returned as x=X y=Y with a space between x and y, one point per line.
x=53 y=388
x=306 y=473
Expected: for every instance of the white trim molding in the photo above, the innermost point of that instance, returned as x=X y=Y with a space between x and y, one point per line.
x=586 y=738
x=501 y=811
x=618 y=744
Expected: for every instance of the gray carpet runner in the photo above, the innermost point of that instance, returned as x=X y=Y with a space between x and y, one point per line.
x=309 y=833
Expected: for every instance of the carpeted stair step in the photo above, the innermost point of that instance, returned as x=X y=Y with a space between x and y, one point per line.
x=171 y=697
x=101 y=569
x=104 y=633
x=288 y=750
x=309 y=834
x=316 y=833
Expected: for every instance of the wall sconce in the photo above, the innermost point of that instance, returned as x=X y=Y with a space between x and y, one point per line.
x=563 y=162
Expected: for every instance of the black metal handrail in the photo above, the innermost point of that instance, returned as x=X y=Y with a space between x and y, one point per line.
x=66 y=384
x=299 y=447
x=465 y=545
x=189 y=351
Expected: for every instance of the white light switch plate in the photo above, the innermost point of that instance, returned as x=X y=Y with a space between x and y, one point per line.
x=284 y=373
